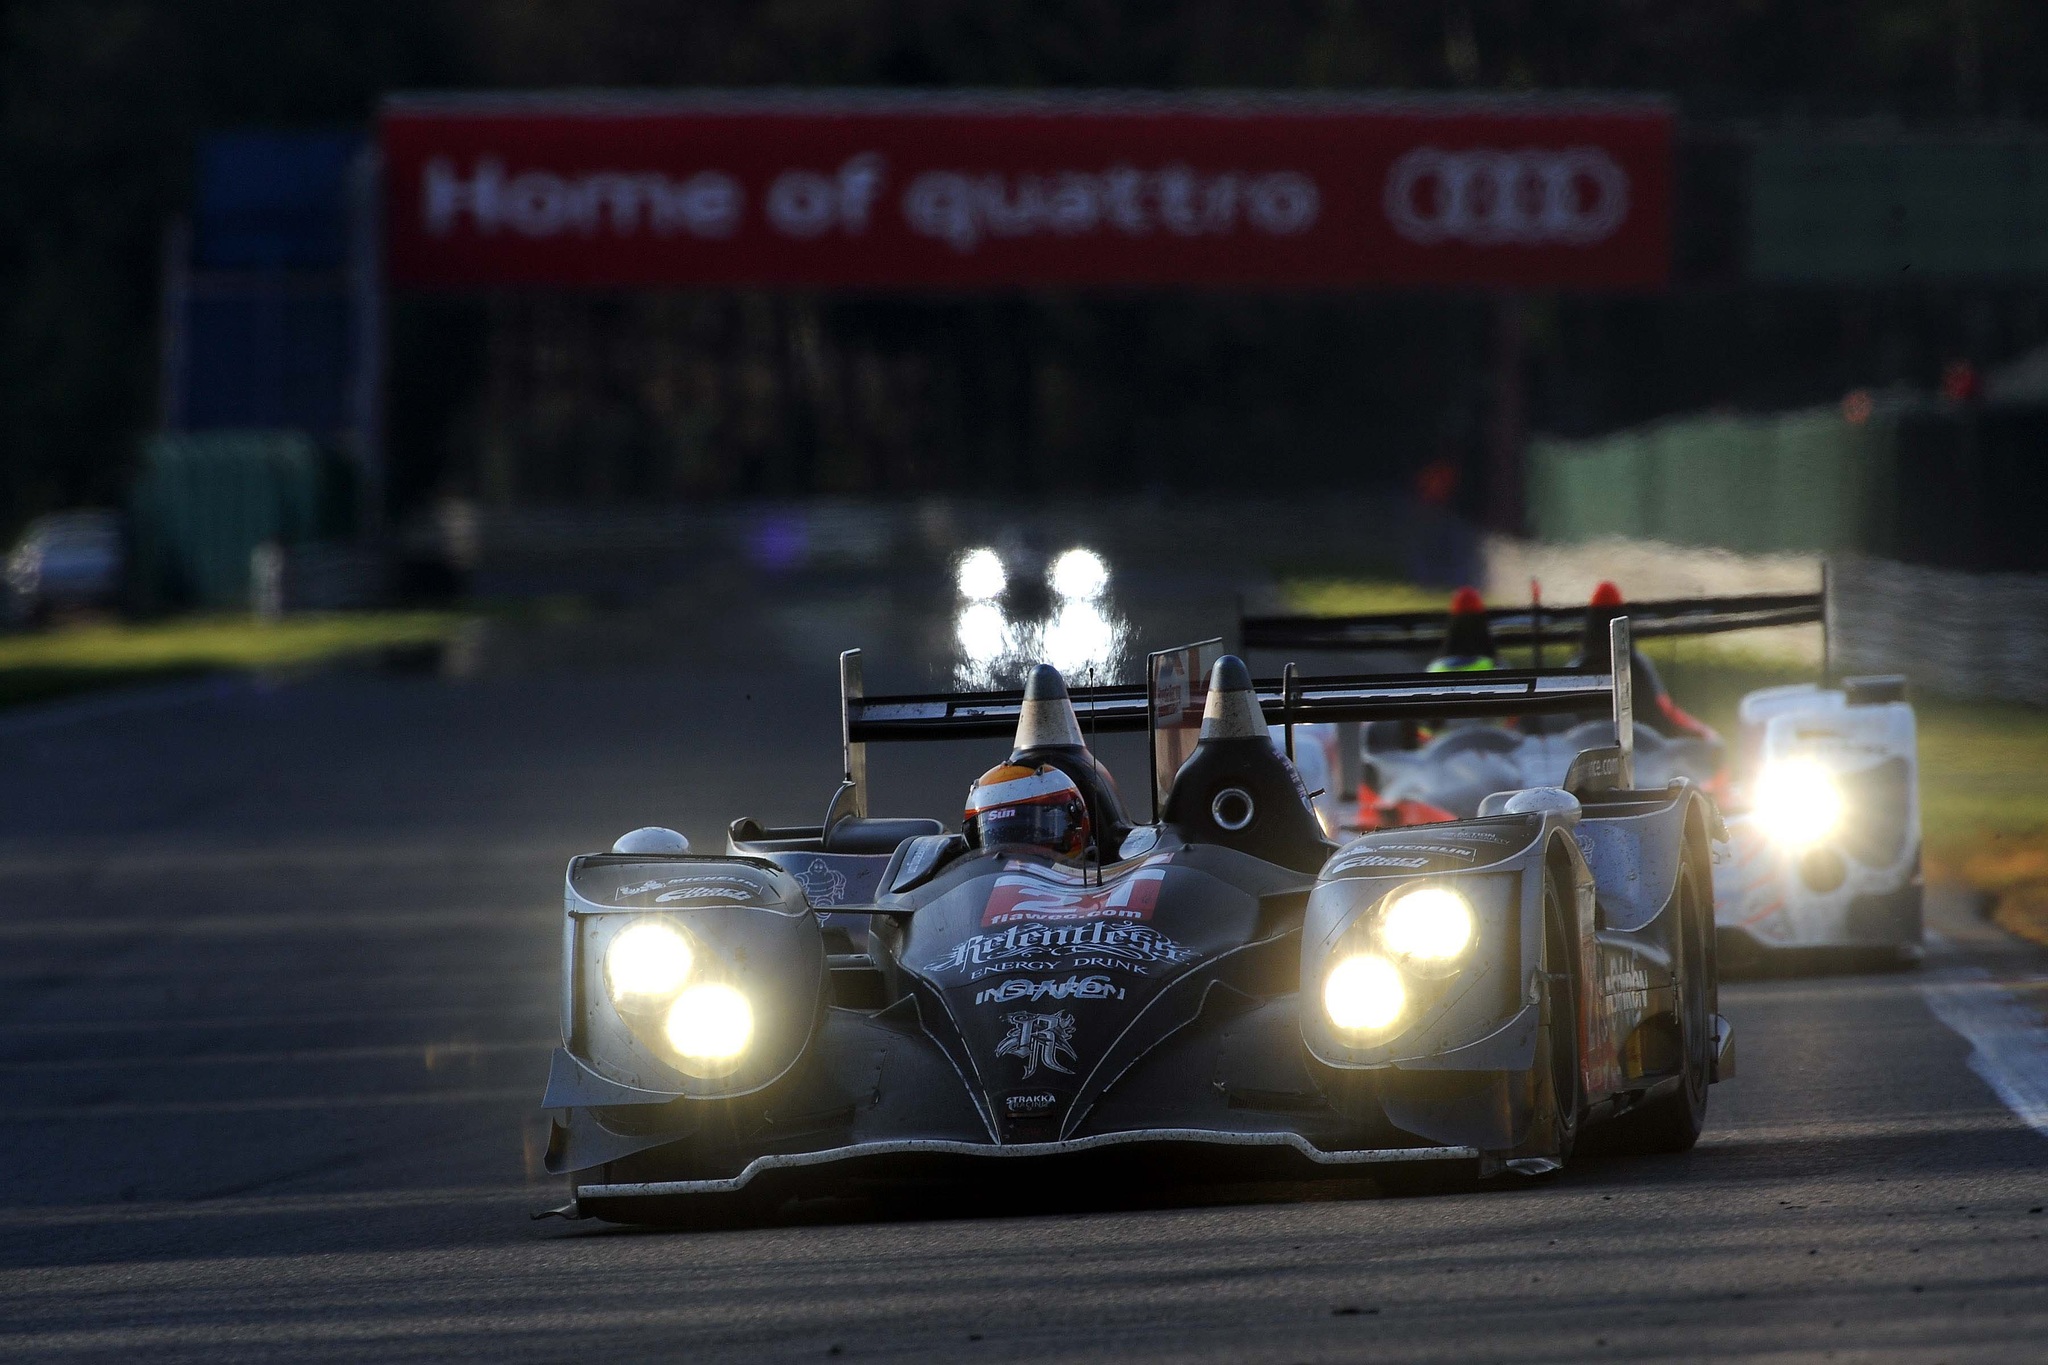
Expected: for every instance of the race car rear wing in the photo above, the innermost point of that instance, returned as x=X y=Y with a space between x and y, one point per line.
x=1128 y=708
x=1533 y=624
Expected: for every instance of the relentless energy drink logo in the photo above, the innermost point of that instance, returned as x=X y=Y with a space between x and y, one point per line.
x=1095 y=943
x=1024 y=891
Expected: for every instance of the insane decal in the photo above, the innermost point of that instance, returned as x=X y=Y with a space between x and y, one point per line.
x=1039 y=1040
x=1026 y=891
x=1049 y=947
x=1073 y=988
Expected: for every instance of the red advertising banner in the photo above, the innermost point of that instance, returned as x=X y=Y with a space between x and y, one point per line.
x=896 y=191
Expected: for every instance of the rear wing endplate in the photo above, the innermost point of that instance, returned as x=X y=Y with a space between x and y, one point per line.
x=1534 y=624
x=1131 y=708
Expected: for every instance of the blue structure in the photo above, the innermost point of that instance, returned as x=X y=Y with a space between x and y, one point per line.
x=271 y=302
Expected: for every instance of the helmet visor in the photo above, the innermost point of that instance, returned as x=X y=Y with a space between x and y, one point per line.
x=1059 y=826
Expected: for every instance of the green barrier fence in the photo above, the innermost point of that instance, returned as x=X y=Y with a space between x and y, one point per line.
x=205 y=500
x=1806 y=481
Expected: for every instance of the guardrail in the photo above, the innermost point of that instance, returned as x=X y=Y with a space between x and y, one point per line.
x=1978 y=636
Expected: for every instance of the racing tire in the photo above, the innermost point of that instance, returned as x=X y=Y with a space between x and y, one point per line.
x=1672 y=1122
x=1557 y=1037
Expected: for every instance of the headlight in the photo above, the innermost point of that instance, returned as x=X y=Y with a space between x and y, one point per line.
x=1364 y=992
x=980 y=576
x=1079 y=573
x=1430 y=923
x=710 y=1025
x=1798 y=802
x=647 y=963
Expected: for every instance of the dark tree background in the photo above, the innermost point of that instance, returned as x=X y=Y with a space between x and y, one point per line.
x=554 y=397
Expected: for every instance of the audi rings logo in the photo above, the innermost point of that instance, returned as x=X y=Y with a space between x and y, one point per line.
x=1482 y=197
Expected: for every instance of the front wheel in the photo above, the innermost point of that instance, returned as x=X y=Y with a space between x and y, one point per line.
x=1672 y=1122
x=1560 y=1028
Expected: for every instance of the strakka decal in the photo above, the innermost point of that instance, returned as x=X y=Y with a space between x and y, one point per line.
x=1100 y=939
x=1037 y=1102
x=1024 y=894
x=1039 y=1040
x=1073 y=988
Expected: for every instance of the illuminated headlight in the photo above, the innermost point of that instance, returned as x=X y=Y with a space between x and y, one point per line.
x=647 y=963
x=980 y=576
x=710 y=1025
x=1798 y=802
x=1364 y=992
x=1429 y=923
x=1079 y=573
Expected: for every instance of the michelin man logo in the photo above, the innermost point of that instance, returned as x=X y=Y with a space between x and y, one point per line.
x=822 y=884
x=1039 y=1040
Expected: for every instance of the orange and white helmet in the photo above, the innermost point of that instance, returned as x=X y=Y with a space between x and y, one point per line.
x=1040 y=806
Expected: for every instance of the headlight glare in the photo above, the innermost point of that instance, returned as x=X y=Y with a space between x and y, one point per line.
x=710 y=1024
x=1798 y=802
x=980 y=576
x=647 y=962
x=1364 y=992
x=1430 y=923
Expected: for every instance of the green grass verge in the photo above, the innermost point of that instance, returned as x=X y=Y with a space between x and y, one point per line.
x=46 y=664
x=1357 y=597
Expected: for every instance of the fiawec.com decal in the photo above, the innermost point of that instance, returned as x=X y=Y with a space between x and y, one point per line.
x=1024 y=891
x=1039 y=1040
x=1107 y=943
x=1073 y=988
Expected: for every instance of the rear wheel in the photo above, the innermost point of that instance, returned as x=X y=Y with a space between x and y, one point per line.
x=1672 y=1122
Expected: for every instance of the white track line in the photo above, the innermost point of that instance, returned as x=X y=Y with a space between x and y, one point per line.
x=2008 y=1045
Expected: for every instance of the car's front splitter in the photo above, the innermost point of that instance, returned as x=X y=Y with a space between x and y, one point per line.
x=993 y=1152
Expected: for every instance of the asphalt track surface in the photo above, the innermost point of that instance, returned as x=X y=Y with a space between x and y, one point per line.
x=279 y=982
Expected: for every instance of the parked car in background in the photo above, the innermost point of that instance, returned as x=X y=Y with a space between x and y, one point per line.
x=65 y=560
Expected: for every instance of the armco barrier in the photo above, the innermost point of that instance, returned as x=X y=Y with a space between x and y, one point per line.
x=1979 y=636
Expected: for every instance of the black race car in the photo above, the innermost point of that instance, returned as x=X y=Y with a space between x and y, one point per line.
x=1221 y=989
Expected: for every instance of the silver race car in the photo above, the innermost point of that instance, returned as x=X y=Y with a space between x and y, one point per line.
x=1219 y=990
x=1820 y=791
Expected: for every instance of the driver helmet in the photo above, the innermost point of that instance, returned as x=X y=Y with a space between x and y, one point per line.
x=1039 y=805
x=1468 y=639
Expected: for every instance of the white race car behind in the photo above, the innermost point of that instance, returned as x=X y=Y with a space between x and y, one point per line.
x=1820 y=794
